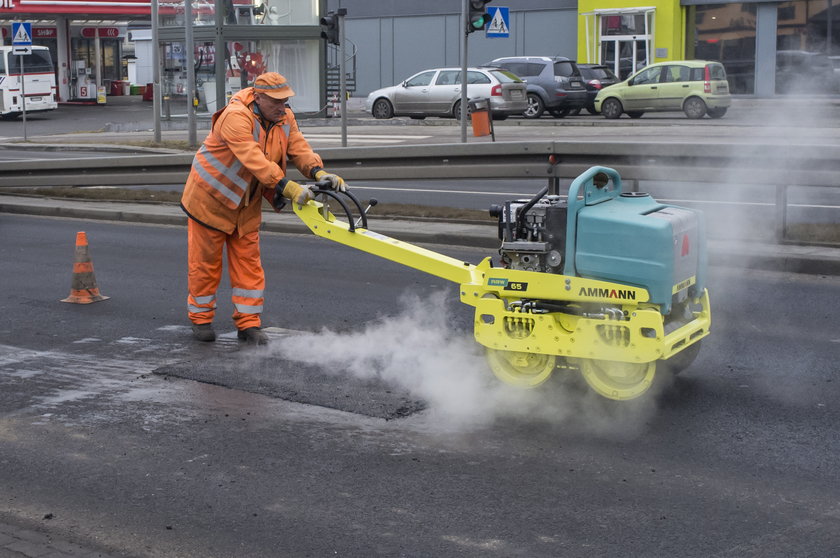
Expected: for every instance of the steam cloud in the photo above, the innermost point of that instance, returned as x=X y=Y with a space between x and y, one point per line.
x=419 y=350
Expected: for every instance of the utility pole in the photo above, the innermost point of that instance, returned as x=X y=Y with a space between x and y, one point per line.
x=156 y=69
x=464 y=42
x=23 y=96
x=342 y=68
x=190 y=63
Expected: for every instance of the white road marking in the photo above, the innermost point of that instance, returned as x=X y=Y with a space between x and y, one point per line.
x=376 y=139
x=381 y=136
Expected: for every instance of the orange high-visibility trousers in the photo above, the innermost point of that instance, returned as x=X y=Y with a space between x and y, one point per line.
x=247 y=278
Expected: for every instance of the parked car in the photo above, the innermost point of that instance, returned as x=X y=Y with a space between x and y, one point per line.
x=554 y=83
x=595 y=78
x=437 y=92
x=799 y=71
x=696 y=87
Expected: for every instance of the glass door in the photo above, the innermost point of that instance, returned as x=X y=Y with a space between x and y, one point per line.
x=625 y=55
x=625 y=41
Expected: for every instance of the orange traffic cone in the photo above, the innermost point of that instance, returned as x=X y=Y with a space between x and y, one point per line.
x=84 y=289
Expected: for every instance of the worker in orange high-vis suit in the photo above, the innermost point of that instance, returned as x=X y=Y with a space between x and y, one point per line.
x=242 y=160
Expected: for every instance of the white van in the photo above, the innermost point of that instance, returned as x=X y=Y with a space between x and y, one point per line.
x=40 y=88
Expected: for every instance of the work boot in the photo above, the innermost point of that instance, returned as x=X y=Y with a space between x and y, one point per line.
x=252 y=336
x=204 y=332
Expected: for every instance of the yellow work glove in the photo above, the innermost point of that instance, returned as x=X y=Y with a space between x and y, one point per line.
x=336 y=182
x=299 y=193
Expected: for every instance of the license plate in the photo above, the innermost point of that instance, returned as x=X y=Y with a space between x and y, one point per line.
x=516 y=94
x=576 y=85
x=34 y=99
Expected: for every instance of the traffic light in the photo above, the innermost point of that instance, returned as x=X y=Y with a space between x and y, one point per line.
x=329 y=28
x=477 y=17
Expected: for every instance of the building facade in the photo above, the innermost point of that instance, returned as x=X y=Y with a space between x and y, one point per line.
x=232 y=41
x=85 y=39
x=767 y=47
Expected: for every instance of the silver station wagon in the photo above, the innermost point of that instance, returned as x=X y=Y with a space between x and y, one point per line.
x=437 y=92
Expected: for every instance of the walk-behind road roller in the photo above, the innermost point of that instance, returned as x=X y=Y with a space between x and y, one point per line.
x=606 y=283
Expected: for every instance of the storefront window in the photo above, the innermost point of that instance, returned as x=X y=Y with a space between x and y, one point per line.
x=807 y=47
x=726 y=33
x=807 y=44
x=810 y=25
x=242 y=12
x=623 y=24
x=173 y=13
x=85 y=51
x=244 y=61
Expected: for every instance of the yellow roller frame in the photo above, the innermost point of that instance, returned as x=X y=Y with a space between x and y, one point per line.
x=637 y=337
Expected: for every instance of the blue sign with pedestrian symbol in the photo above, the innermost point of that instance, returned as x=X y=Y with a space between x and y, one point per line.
x=21 y=38
x=499 y=25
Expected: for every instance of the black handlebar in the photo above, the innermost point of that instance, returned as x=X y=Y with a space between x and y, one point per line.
x=323 y=188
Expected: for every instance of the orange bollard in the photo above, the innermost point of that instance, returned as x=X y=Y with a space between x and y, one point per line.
x=83 y=289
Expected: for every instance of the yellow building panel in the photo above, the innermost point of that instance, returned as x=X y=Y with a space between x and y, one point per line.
x=666 y=27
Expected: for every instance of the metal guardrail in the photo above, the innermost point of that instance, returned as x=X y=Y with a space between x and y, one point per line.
x=776 y=166
x=686 y=162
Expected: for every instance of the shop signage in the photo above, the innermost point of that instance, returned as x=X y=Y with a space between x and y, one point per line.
x=44 y=33
x=104 y=32
x=76 y=7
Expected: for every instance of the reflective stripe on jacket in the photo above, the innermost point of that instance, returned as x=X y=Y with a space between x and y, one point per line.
x=239 y=163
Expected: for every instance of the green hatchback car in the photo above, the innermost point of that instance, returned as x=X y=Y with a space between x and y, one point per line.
x=696 y=87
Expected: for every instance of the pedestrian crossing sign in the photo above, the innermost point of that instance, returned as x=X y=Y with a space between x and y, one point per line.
x=21 y=38
x=499 y=25
x=22 y=34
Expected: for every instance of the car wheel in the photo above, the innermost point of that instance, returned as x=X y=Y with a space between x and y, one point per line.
x=456 y=110
x=635 y=114
x=716 y=112
x=611 y=108
x=561 y=113
x=694 y=108
x=382 y=108
x=536 y=107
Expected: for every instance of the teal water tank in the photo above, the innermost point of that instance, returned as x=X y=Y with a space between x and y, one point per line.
x=635 y=240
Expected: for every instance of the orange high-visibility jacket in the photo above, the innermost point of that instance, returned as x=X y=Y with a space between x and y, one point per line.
x=239 y=162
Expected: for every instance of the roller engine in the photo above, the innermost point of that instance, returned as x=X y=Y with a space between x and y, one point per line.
x=533 y=233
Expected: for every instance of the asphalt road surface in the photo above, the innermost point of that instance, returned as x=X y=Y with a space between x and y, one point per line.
x=100 y=433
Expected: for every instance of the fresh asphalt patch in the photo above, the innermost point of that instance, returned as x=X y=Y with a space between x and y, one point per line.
x=258 y=370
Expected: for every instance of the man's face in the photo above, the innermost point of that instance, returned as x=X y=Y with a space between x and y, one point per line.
x=272 y=109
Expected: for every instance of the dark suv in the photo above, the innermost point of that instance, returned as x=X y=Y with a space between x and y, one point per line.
x=596 y=77
x=554 y=83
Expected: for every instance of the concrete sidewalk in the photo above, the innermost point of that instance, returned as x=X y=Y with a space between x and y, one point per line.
x=724 y=253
